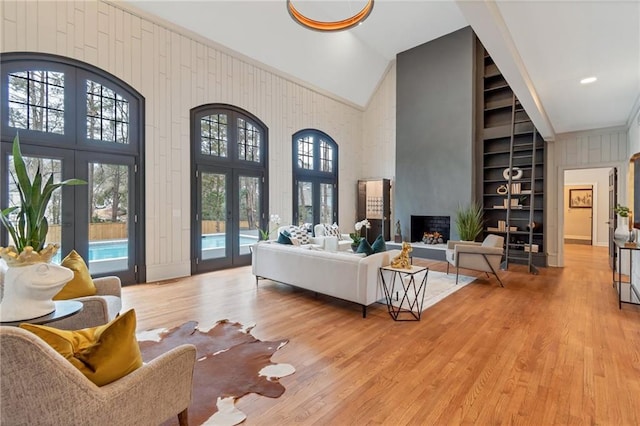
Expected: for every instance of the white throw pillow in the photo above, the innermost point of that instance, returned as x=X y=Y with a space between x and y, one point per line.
x=332 y=231
x=300 y=233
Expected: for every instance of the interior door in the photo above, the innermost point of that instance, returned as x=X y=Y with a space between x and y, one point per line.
x=613 y=201
x=229 y=213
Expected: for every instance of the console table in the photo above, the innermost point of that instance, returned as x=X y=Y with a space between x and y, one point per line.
x=412 y=299
x=64 y=309
x=622 y=246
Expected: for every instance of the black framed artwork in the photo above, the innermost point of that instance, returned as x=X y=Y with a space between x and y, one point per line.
x=581 y=198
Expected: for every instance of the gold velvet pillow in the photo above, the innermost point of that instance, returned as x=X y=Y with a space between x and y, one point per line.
x=104 y=354
x=81 y=284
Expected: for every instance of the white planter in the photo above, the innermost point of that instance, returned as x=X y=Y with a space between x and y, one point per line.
x=622 y=230
x=28 y=290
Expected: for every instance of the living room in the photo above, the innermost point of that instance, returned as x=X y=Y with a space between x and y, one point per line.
x=177 y=70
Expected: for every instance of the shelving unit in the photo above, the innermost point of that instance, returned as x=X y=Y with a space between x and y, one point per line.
x=374 y=204
x=512 y=181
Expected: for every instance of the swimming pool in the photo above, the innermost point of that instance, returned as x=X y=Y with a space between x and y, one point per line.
x=118 y=249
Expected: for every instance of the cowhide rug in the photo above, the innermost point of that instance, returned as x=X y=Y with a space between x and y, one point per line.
x=230 y=363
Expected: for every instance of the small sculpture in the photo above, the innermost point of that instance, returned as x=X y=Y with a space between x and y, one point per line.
x=401 y=261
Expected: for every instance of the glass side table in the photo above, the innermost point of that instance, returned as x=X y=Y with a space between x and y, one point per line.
x=405 y=282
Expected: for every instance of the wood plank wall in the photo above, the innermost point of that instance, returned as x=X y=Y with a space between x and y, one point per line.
x=176 y=71
x=580 y=150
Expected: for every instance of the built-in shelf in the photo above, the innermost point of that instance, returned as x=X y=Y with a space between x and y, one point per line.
x=509 y=139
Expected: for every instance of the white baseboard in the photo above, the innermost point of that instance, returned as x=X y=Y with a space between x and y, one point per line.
x=168 y=271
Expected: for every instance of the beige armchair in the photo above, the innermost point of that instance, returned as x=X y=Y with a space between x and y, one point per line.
x=485 y=256
x=98 y=309
x=40 y=387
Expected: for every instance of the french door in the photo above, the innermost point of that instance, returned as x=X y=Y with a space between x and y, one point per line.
x=98 y=220
x=229 y=211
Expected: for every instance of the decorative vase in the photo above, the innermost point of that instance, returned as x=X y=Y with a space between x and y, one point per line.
x=622 y=230
x=30 y=282
x=354 y=247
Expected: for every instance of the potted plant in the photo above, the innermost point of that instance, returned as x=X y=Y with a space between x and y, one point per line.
x=355 y=236
x=31 y=225
x=469 y=222
x=28 y=292
x=623 y=230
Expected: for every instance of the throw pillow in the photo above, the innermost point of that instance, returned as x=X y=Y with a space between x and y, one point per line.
x=284 y=237
x=300 y=233
x=379 y=245
x=81 y=284
x=364 y=247
x=104 y=354
x=332 y=231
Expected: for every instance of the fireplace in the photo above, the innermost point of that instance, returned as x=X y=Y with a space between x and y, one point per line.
x=422 y=224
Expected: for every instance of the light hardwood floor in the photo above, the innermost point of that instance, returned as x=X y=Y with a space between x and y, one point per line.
x=547 y=349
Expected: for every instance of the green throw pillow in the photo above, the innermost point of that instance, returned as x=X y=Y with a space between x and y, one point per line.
x=364 y=247
x=379 y=245
x=285 y=238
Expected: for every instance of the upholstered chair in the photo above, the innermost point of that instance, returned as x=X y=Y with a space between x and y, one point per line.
x=41 y=387
x=485 y=256
x=98 y=309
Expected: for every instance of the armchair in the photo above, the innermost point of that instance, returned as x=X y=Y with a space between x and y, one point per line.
x=98 y=309
x=485 y=256
x=40 y=387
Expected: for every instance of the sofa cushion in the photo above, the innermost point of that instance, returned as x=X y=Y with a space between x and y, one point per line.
x=103 y=354
x=379 y=245
x=81 y=284
x=364 y=247
x=284 y=237
x=300 y=233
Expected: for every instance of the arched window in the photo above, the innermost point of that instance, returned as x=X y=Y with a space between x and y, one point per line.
x=230 y=180
x=75 y=120
x=315 y=177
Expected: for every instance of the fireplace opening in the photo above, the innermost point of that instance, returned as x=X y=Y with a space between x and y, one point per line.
x=432 y=225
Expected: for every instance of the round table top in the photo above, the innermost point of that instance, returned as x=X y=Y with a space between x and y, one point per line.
x=63 y=309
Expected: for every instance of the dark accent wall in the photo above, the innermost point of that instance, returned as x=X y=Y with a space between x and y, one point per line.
x=435 y=128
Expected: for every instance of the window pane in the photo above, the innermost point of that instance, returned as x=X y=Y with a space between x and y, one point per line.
x=111 y=113
x=248 y=141
x=249 y=211
x=213 y=197
x=36 y=98
x=48 y=167
x=326 y=203
x=108 y=217
x=305 y=153
x=326 y=157
x=305 y=203
x=213 y=135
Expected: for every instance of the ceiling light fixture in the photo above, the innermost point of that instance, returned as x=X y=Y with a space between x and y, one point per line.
x=588 y=80
x=327 y=26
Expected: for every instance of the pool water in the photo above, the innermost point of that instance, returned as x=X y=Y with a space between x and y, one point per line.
x=103 y=250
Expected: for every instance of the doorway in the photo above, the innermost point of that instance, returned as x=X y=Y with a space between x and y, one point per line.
x=586 y=216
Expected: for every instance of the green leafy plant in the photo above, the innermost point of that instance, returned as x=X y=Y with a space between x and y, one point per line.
x=265 y=234
x=31 y=226
x=621 y=211
x=469 y=222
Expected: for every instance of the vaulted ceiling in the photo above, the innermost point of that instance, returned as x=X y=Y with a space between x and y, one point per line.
x=544 y=48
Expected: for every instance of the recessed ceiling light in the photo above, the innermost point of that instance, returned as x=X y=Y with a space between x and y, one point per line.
x=588 y=80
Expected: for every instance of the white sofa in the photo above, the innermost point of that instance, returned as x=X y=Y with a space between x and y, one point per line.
x=343 y=275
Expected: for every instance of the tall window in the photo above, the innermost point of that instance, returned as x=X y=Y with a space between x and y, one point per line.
x=75 y=120
x=229 y=187
x=315 y=177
